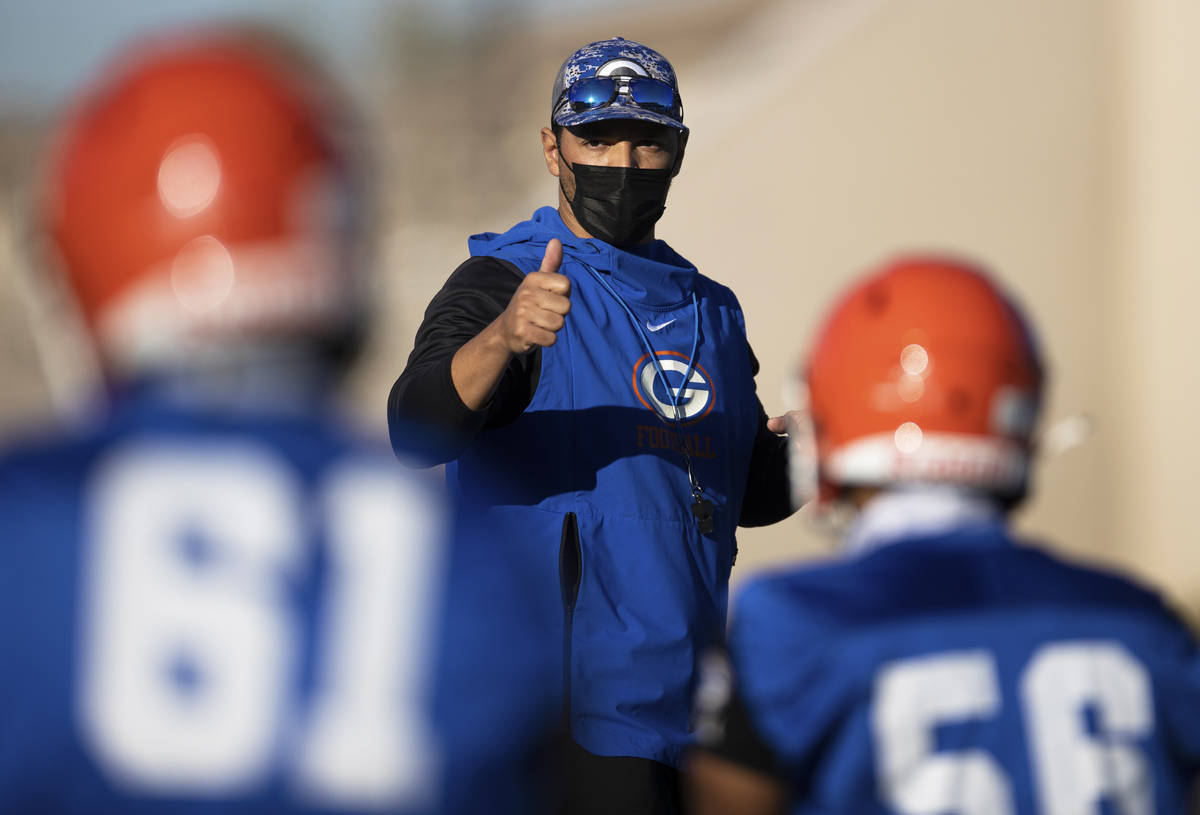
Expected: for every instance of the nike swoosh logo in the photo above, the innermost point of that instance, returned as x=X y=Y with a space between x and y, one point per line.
x=660 y=326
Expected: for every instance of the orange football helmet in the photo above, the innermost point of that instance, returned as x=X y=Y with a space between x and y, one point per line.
x=199 y=197
x=925 y=372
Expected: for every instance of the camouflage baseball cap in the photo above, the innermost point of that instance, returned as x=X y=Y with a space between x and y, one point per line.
x=627 y=62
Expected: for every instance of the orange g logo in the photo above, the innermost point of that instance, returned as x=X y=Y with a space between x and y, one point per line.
x=695 y=397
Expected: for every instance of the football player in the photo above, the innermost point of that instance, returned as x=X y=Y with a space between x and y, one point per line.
x=939 y=665
x=213 y=596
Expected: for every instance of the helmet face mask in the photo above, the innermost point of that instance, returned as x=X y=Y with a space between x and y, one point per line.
x=200 y=200
x=925 y=373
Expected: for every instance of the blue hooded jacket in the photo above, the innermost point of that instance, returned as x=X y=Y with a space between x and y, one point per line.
x=596 y=500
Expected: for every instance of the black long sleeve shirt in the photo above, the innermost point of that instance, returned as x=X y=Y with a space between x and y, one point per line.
x=476 y=294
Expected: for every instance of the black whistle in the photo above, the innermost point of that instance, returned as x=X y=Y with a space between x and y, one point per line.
x=702 y=508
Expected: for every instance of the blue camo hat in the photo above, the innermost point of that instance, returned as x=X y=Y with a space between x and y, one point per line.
x=613 y=57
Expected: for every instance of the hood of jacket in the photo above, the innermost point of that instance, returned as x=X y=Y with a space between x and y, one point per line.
x=651 y=274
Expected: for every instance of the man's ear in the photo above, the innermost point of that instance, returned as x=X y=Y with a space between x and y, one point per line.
x=550 y=150
x=683 y=140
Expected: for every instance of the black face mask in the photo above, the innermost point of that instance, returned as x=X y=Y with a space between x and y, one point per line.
x=619 y=205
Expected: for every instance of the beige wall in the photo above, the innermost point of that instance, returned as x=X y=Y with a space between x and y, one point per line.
x=1148 y=360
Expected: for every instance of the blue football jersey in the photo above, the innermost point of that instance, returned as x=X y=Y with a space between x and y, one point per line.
x=205 y=611
x=961 y=673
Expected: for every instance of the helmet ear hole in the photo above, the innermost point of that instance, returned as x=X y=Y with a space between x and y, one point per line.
x=958 y=401
x=876 y=300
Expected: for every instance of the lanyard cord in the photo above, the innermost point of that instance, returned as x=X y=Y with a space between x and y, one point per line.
x=674 y=395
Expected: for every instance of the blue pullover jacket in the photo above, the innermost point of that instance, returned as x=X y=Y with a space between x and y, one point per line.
x=596 y=500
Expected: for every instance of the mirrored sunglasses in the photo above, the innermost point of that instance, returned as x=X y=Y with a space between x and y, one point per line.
x=600 y=91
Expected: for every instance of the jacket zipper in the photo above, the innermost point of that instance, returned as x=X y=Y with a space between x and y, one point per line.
x=570 y=574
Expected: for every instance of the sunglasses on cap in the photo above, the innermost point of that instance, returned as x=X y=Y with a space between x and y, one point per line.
x=646 y=93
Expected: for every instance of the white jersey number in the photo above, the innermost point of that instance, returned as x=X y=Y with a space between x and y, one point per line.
x=191 y=647
x=1073 y=770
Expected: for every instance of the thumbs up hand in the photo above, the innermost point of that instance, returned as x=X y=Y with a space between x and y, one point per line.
x=539 y=307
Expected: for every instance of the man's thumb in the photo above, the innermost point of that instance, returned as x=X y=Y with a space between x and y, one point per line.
x=553 y=257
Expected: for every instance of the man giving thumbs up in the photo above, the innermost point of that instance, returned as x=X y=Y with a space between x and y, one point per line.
x=600 y=395
x=532 y=319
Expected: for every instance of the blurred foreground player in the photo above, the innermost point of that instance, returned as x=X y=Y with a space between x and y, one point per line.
x=939 y=667
x=212 y=598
